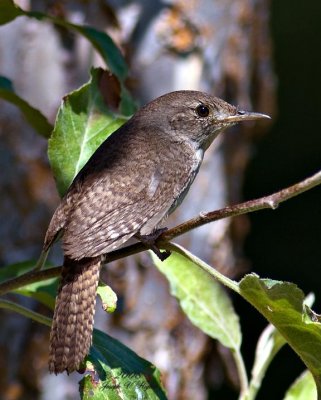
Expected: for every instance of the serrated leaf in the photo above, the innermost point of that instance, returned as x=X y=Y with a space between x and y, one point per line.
x=37 y=120
x=303 y=388
x=282 y=304
x=203 y=300
x=83 y=123
x=108 y=297
x=120 y=373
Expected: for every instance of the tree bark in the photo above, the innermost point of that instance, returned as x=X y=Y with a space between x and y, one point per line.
x=218 y=46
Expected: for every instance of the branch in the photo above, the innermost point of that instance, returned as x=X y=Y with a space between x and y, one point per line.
x=28 y=277
x=272 y=201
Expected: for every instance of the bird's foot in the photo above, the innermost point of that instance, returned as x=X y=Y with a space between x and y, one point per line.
x=150 y=242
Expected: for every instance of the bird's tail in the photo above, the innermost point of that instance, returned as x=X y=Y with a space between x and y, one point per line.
x=72 y=326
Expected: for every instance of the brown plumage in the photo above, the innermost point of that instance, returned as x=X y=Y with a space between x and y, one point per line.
x=70 y=336
x=130 y=184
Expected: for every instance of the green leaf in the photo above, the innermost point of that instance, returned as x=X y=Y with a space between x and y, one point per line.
x=37 y=120
x=8 y=11
x=99 y=40
x=303 y=388
x=127 y=105
x=83 y=123
x=269 y=343
x=15 y=270
x=104 y=45
x=43 y=291
x=282 y=304
x=108 y=297
x=121 y=373
x=202 y=299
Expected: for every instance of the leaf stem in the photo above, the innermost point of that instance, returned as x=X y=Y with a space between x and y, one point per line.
x=203 y=265
x=244 y=383
x=240 y=366
x=263 y=358
x=10 y=305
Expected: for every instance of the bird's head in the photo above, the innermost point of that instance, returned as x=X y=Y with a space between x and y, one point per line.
x=194 y=116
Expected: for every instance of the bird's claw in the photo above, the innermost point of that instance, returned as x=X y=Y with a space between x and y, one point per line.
x=150 y=242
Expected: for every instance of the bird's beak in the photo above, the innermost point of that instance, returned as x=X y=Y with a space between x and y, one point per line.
x=243 y=116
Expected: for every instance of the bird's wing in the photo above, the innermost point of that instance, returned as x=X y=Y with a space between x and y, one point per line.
x=109 y=212
x=102 y=222
x=57 y=223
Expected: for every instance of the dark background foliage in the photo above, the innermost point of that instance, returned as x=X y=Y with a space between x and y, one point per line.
x=285 y=244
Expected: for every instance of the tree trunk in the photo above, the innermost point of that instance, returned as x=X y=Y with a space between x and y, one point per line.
x=218 y=46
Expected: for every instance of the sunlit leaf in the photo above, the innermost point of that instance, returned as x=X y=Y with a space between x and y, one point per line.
x=203 y=300
x=303 y=388
x=42 y=291
x=282 y=304
x=83 y=123
x=108 y=297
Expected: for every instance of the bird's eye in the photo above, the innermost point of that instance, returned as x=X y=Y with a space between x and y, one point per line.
x=202 y=110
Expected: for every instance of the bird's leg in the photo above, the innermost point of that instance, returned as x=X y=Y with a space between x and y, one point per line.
x=150 y=242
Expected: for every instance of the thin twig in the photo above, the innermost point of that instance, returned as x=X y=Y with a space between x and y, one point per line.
x=29 y=277
x=267 y=202
x=272 y=202
x=224 y=280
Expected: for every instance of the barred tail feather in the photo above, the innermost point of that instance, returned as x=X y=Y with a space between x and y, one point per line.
x=72 y=326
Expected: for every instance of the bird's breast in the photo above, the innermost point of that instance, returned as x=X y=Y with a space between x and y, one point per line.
x=185 y=184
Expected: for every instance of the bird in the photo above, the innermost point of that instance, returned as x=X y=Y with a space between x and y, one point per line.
x=132 y=182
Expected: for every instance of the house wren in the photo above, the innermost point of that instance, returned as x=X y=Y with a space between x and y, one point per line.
x=138 y=176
